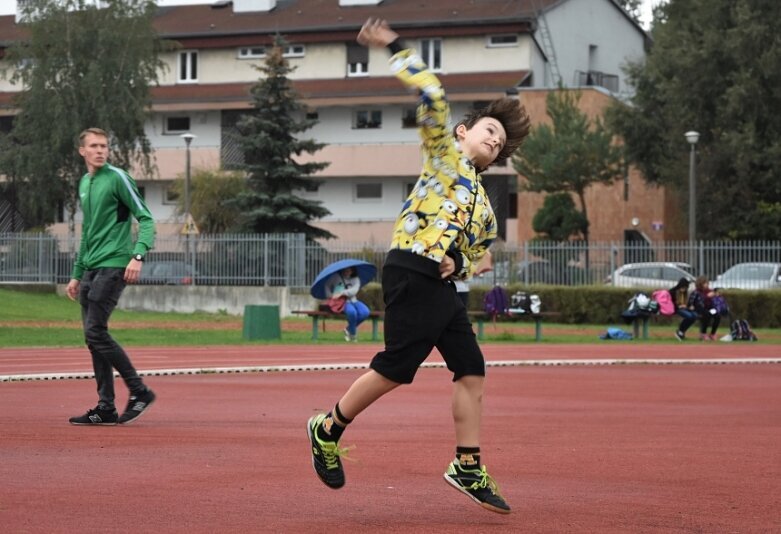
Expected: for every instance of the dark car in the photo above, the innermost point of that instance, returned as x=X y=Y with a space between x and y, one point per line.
x=166 y=273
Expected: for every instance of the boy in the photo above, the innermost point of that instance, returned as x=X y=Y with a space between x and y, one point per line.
x=444 y=229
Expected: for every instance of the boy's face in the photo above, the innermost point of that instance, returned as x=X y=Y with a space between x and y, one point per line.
x=483 y=141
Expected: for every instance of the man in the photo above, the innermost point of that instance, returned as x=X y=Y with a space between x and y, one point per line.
x=107 y=261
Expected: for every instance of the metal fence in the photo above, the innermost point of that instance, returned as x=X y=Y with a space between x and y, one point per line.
x=292 y=260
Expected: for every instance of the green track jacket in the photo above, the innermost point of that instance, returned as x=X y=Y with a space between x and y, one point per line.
x=107 y=200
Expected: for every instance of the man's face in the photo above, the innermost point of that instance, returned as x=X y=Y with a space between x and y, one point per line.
x=483 y=142
x=94 y=150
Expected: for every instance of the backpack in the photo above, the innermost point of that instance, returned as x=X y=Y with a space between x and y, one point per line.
x=496 y=301
x=720 y=303
x=522 y=302
x=664 y=300
x=741 y=331
x=642 y=303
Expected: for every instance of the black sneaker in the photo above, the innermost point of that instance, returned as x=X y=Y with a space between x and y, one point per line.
x=137 y=405
x=96 y=416
x=679 y=335
x=478 y=485
x=325 y=455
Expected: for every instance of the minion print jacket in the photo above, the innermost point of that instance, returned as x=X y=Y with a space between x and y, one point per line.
x=447 y=211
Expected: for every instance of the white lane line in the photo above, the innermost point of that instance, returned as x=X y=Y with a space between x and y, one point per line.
x=365 y=365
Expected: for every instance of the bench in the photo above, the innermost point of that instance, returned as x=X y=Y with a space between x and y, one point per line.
x=321 y=315
x=641 y=319
x=481 y=318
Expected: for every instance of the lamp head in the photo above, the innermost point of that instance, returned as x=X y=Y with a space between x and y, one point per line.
x=692 y=137
x=188 y=138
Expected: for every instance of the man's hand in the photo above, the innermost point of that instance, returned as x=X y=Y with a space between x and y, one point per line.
x=376 y=33
x=73 y=289
x=133 y=271
x=447 y=267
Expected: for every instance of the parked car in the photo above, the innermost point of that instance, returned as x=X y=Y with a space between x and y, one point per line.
x=166 y=273
x=750 y=276
x=655 y=275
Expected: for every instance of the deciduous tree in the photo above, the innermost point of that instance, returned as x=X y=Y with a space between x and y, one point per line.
x=77 y=67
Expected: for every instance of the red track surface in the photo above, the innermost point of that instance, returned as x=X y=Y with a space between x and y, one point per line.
x=628 y=448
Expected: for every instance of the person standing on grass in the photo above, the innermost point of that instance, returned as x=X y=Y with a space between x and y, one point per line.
x=442 y=232
x=107 y=261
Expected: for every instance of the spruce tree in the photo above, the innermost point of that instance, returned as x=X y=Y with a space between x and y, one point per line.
x=267 y=137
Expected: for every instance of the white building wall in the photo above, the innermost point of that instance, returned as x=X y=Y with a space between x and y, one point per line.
x=575 y=25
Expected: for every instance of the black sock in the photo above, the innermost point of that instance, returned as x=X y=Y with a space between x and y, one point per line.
x=330 y=430
x=468 y=457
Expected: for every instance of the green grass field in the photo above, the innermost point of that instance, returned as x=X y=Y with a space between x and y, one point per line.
x=48 y=320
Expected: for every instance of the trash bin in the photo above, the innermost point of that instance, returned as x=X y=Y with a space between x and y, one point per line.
x=261 y=322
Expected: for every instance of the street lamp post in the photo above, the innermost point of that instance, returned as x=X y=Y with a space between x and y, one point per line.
x=692 y=137
x=188 y=139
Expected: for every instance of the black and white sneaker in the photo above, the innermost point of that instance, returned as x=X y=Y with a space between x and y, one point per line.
x=137 y=405
x=478 y=485
x=96 y=416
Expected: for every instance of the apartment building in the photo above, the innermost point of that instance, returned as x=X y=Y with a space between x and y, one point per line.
x=480 y=49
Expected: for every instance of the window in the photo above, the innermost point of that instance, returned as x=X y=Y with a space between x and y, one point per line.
x=255 y=52
x=368 y=191
x=142 y=191
x=496 y=41
x=357 y=60
x=188 y=66
x=312 y=116
x=367 y=119
x=170 y=196
x=312 y=187
x=408 y=190
x=293 y=51
x=252 y=52
x=176 y=125
x=409 y=118
x=431 y=52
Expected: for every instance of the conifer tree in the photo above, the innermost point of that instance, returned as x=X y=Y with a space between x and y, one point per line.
x=267 y=137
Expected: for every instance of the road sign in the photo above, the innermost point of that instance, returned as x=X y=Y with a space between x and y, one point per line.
x=189 y=227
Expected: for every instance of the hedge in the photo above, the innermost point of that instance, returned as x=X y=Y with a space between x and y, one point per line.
x=604 y=304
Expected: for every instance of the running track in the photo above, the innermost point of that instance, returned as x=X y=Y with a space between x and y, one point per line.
x=593 y=438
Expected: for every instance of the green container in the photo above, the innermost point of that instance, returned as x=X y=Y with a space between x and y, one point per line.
x=261 y=322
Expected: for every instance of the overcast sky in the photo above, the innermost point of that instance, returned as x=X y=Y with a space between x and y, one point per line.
x=8 y=7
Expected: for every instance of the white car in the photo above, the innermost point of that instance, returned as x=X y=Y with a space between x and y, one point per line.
x=654 y=275
x=750 y=276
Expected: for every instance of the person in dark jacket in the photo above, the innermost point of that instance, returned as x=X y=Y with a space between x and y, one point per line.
x=701 y=303
x=107 y=261
x=680 y=297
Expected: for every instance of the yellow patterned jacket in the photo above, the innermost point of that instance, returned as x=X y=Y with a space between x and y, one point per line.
x=448 y=209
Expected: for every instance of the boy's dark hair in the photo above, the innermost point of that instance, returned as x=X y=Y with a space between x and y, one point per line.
x=513 y=117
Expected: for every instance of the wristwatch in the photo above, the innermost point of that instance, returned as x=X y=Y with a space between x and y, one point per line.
x=138 y=257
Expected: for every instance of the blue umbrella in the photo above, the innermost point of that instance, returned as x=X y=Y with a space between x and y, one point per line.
x=364 y=270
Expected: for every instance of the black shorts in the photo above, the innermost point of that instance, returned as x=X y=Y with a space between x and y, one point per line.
x=421 y=313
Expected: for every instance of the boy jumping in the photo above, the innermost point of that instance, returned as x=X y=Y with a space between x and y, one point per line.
x=443 y=230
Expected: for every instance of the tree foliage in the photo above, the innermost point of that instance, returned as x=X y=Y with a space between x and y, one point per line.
x=558 y=219
x=78 y=67
x=569 y=155
x=632 y=7
x=715 y=67
x=267 y=138
x=209 y=193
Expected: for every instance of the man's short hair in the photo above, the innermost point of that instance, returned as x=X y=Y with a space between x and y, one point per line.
x=94 y=131
x=512 y=116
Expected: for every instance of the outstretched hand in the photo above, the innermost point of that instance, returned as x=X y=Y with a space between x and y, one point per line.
x=376 y=33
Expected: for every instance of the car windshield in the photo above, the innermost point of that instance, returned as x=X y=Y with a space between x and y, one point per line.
x=749 y=272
